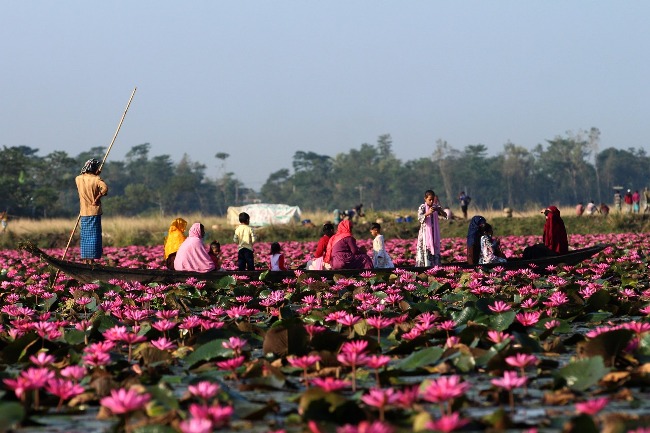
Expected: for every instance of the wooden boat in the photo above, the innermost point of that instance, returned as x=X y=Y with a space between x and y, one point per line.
x=85 y=273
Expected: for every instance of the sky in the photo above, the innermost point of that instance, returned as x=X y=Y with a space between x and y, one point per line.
x=261 y=80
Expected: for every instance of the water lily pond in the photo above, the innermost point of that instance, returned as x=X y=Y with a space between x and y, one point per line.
x=565 y=348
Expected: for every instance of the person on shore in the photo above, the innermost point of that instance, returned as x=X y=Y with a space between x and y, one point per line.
x=215 y=254
x=580 y=209
x=428 y=246
x=91 y=189
x=343 y=252
x=591 y=208
x=474 y=239
x=317 y=263
x=245 y=238
x=636 y=202
x=627 y=198
x=490 y=248
x=277 y=258
x=464 y=203
x=192 y=254
x=380 y=258
x=617 y=200
x=175 y=237
x=604 y=209
x=646 y=196
x=4 y=220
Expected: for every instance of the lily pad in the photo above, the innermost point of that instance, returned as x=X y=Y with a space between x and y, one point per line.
x=421 y=358
x=582 y=374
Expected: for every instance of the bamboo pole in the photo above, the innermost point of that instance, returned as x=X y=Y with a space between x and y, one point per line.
x=99 y=171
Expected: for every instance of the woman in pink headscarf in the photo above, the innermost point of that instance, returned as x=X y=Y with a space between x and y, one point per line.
x=342 y=251
x=192 y=254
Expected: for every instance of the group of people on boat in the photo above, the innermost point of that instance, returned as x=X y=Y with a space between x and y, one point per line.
x=336 y=249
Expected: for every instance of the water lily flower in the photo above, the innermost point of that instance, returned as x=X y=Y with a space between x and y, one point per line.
x=366 y=427
x=204 y=389
x=122 y=401
x=196 y=425
x=499 y=307
x=330 y=384
x=380 y=398
x=592 y=407
x=447 y=423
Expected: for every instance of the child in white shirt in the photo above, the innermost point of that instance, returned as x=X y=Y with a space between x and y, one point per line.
x=380 y=258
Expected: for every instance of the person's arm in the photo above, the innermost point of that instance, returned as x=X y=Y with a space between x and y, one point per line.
x=281 y=264
x=252 y=236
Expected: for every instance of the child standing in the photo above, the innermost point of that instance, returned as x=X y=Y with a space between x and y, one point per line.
x=380 y=258
x=215 y=254
x=490 y=251
x=244 y=238
x=277 y=258
x=428 y=247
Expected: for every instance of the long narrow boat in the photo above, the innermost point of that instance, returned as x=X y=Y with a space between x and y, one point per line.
x=86 y=273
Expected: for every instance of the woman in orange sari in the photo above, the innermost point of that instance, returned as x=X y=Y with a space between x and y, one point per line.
x=173 y=241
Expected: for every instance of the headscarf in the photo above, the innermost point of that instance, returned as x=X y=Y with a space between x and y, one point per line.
x=474 y=227
x=344 y=230
x=91 y=166
x=555 y=236
x=192 y=255
x=175 y=237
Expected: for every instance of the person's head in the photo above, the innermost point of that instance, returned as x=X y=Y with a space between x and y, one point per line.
x=276 y=248
x=244 y=218
x=215 y=247
x=551 y=210
x=197 y=230
x=486 y=229
x=328 y=229
x=429 y=197
x=91 y=166
x=179 y=224
x=375 y=229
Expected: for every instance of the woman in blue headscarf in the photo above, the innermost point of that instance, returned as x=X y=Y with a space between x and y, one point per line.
x=473 y=239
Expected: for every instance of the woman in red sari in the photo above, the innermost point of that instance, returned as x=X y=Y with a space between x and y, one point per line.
x=555 y=237
x=342 y=251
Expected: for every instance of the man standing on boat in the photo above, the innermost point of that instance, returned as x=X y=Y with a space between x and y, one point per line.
x=91 y=188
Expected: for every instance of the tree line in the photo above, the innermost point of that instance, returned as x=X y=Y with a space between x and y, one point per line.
x=564 y=170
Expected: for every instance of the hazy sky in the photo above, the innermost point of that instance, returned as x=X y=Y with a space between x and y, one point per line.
x=260 y=80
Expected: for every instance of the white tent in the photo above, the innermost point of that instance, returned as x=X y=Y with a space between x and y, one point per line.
x=264 y=214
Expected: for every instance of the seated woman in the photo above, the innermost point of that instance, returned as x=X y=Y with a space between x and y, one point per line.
x=342 y=251
x=192 y=254
x=317 y=263
x=554 y=238
x=473 y=239
x=490 y=251
x=173 y=241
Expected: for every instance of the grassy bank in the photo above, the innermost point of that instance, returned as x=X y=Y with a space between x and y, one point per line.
x=121 y=231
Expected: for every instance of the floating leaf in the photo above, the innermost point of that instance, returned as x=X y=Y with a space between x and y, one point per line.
x=213 y=349
x=421 y=358
x=501 y=321
x=11 y=413
x=582 y=374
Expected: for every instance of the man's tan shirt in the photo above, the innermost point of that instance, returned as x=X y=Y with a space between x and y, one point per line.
x=91 y=188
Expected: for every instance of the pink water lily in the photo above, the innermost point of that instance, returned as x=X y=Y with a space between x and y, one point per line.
x=122 y=401
x=592 y=407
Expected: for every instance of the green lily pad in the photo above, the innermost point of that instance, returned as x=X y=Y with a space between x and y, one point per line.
x=582 y=374
x=421 y=358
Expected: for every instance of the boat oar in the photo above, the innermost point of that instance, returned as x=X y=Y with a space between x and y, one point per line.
x=99 y=171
